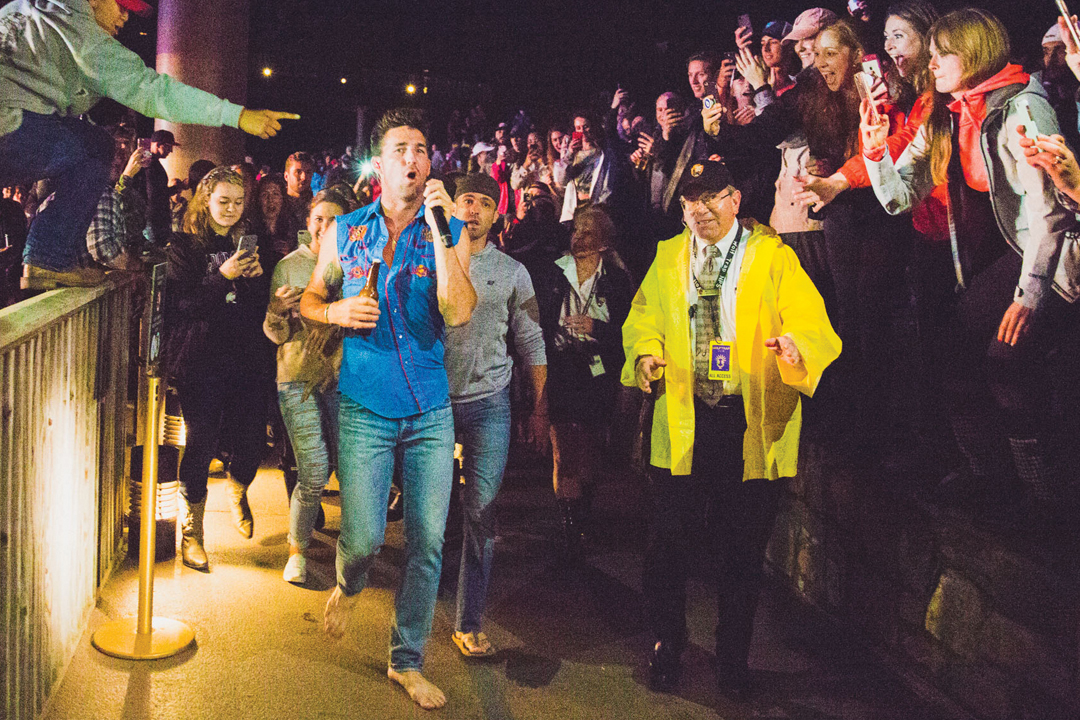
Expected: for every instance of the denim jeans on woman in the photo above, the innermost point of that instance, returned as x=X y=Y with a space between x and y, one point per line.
x=483 y=427
x=369 y=446
x=312 y=425
x=76 y=156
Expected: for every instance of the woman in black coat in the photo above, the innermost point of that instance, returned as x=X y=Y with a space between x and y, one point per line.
x=584 y=298
x=217 y=356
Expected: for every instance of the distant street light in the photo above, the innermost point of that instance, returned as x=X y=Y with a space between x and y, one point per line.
x=267 y=72
x=411 y=89
x=343 y=81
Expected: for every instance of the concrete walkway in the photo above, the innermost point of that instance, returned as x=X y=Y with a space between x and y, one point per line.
x=572 y=644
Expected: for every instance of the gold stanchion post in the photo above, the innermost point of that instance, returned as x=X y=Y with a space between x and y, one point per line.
x=146 y=637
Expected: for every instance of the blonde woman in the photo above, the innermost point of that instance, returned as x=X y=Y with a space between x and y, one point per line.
x=218 y=358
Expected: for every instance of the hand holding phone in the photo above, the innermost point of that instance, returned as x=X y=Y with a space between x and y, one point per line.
x=872 y=66
x=864 y=83
x=247 y=245
x=1074 y=32
x=1030 y=128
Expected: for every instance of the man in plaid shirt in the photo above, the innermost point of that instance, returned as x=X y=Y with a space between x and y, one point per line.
x=115 y=234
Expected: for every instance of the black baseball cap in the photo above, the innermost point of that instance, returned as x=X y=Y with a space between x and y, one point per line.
x=707 y=176
x=776 y=29
x=480 y=183
x=164 y=137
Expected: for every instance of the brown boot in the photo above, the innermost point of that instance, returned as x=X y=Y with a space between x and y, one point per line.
x=241 y=510
x=191 y=545
x=35 y=278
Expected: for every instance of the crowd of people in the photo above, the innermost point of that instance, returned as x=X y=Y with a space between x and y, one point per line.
x=728 y=260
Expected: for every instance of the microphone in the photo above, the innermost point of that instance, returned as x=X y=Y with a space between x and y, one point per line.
x=442 y=226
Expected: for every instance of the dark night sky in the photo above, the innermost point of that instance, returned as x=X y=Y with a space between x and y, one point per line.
x=547 y=57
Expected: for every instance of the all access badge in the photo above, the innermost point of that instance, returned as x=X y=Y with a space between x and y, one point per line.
x=720 y=360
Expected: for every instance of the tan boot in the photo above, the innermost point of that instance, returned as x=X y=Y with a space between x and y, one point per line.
x=241 y=510
x=191 y=545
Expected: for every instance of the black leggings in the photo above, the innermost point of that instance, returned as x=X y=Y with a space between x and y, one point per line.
x=976 y=369
x=231 y=403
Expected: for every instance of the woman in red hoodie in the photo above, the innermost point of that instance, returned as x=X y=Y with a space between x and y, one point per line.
x=1003 y=299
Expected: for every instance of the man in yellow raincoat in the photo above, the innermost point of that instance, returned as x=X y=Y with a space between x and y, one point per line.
x=726 y=330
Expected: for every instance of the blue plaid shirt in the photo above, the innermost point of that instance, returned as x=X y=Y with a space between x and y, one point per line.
x=397 y=370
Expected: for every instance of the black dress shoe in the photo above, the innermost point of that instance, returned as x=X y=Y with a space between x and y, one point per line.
x=733 y=682
x=664 y=667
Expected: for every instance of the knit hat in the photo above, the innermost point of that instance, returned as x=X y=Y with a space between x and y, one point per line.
x=1053 y=36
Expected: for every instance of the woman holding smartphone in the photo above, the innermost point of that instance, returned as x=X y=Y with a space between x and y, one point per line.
x=1004 y=298
x=218 y=358
x=309 y=408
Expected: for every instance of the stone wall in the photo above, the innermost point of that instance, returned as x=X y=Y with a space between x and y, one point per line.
x=990 y=621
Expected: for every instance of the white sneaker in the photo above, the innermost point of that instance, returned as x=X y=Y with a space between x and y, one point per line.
x=296 y=570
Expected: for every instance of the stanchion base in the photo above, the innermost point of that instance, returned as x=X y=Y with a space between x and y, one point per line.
x=120 y=638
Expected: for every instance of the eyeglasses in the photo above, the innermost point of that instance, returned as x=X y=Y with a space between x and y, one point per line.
x=705 y=199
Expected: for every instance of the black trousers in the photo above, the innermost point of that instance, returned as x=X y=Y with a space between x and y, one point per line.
x=734 y=518
x=216 y=403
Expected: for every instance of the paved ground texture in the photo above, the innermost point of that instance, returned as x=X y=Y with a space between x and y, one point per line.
x=571 y=642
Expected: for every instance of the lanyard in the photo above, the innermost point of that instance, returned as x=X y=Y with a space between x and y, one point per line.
x=577 y=297
x=722 y=276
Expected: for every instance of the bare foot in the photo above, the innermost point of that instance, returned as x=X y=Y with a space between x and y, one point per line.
x=419 y=688
x=338 y=611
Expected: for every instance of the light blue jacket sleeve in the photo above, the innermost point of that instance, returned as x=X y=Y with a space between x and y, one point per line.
x=118 y=73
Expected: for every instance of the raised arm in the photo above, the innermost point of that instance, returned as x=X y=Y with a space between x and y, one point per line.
x=457 y=297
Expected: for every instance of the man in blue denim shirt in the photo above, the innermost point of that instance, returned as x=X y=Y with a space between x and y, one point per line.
x=395 y=398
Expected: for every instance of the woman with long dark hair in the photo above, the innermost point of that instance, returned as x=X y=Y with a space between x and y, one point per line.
x=1004 y=293
x=218 y=358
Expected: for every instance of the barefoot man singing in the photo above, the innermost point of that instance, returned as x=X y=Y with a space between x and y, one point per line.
x=395 y=400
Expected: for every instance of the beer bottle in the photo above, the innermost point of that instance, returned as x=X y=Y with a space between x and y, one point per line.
x=371 y=288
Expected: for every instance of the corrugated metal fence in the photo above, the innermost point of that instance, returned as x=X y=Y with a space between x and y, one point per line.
x=64 y=359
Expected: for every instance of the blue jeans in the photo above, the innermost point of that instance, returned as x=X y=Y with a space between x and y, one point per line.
x=369 y=445
x=312 y=425
x=483 y=427
x=76 y=157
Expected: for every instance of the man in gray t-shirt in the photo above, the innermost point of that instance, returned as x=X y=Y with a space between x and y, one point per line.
x=478 y=367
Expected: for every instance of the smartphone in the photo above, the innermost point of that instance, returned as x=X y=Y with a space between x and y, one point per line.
x=744 y=22
x=303 y=237
x=579 y=136
x=1073 y=31
x=144 y=144
x=872 y=66
x=865 y=85
x=247 y=244
x=708 y=101
x=1030 y=128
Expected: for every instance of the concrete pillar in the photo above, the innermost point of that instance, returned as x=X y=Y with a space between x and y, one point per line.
x=204 y=43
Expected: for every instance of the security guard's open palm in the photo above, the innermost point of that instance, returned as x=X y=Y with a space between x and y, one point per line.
x=785 y=349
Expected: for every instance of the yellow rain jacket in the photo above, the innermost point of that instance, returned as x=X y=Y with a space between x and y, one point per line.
x=774 y=297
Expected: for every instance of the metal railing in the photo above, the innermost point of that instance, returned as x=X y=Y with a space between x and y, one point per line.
x=64 y=423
